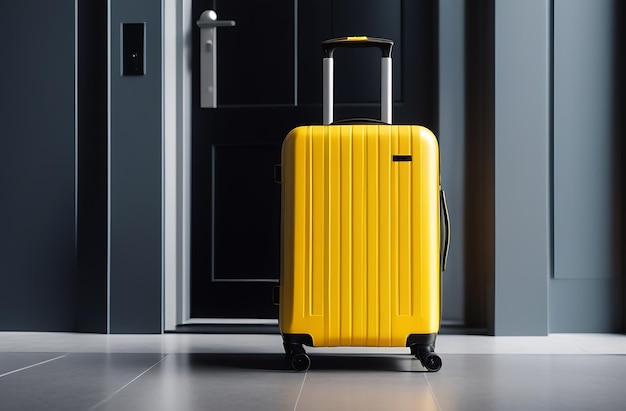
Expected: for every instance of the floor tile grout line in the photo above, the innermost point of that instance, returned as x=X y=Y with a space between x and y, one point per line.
x=300 y=392
x=34 y=365
x=107 y=399
x=432 y=393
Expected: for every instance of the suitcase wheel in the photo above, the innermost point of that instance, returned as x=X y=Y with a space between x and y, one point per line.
x=427 y=356
x=296 y=355
x=431 y=361
x=300 y=362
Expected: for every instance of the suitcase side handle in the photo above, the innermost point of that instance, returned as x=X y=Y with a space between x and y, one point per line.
x=446 y=230
x=329 y=47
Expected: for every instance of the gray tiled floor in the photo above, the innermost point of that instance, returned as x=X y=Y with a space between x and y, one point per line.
x=49 y=371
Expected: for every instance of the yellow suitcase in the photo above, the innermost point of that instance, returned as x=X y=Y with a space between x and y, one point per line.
x=361 y=258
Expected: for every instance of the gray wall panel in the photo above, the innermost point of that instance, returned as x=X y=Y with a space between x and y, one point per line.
x=584 y=306
x=135 y=262
x=37 y=258
x=583 y=181
x=452 y=149
x=522 y=166
x=588 y=244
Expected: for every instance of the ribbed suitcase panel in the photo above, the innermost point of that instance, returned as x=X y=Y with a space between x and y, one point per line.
x=360 y=234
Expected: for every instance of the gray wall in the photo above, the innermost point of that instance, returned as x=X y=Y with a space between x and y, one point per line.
x=531 y=157
x=539 y=152
x=74 y=254
x=557 y=188
x=37 y=150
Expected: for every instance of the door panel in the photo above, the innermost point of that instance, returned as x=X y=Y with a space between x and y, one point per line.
x=251 y=219
x=256 y=57
x=269 y=81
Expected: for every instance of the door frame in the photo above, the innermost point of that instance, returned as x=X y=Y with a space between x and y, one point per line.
x=176 y=144
x=178 y=31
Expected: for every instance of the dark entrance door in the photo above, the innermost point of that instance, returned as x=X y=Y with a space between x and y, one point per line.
x=269 y=81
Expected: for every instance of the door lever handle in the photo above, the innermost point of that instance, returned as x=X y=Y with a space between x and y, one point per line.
x=208 y=24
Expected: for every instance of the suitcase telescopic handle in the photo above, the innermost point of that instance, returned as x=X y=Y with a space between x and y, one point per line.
x=329 y=46
x=385 y=46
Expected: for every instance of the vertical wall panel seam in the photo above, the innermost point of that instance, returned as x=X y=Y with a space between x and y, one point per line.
x=550 y=87
x=162 y=176
x=108 y=298
x=76 y=31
